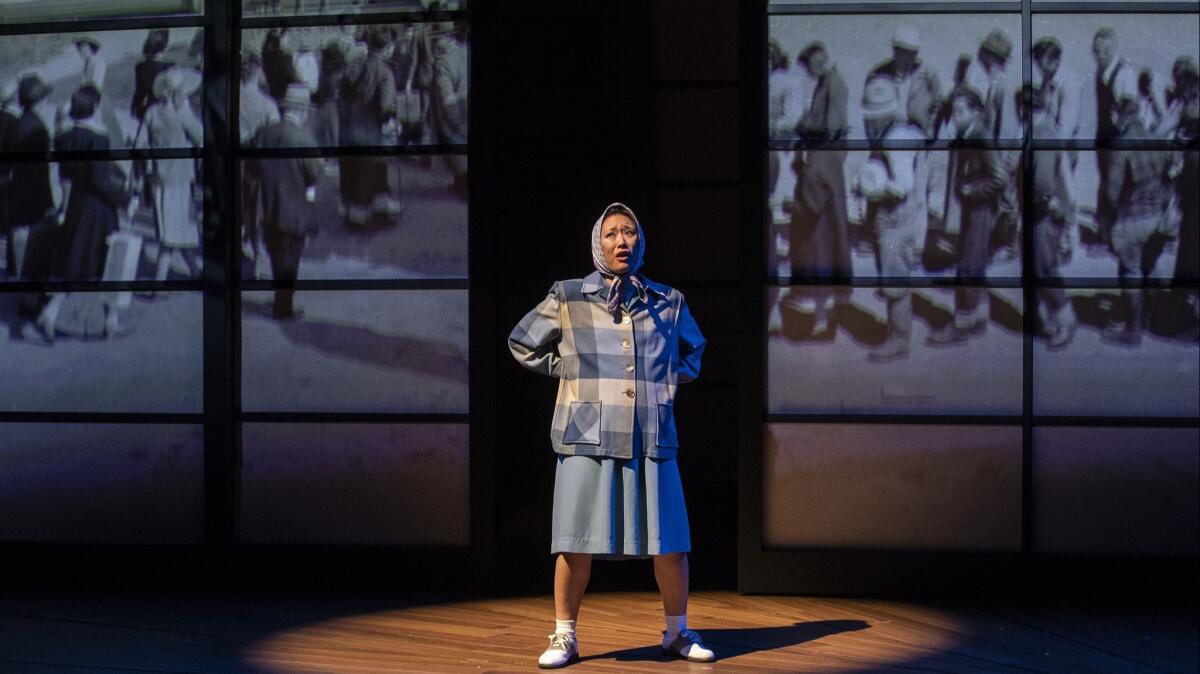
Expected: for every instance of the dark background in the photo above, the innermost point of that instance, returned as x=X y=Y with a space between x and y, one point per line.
x=575 y=104
x=598 y=102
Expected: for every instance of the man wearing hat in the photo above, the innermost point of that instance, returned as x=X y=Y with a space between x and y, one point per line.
x=785 y=104
x=1052 y=213
x=819 y=237
x=370 y=105
x=917 y=87
x=894 y=183
x=987 y=76
x=1060 y=92
x=1137 y=184
x=1183 y=99
x=1116 y=83
x=287 y=188
x=978 y=179
x=30 y=179
x=255 y=108
x=9 y=112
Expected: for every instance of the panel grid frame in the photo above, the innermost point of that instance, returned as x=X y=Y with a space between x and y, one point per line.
x=761 y=566
x=222 y=416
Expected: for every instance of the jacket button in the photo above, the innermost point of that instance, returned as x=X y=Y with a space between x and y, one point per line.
x=629 y=367
x=625 y=343
x=629 y=392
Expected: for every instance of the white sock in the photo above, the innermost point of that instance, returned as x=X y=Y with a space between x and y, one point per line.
x=564 y=627
x=675 y=625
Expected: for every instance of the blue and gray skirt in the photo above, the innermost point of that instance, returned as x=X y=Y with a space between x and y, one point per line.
x=618 y=508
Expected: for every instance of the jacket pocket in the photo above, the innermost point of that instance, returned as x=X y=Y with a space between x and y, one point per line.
x=667 y=437
x=583 y=424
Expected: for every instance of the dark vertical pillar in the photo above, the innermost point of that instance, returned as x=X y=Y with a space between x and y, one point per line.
x=752 y=357
x=570 y=117
x=220 y=432
x=484 y=264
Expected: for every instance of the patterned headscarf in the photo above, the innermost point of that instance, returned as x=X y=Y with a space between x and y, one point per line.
x=636 y=257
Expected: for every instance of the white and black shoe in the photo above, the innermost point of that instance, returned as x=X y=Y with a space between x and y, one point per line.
x=687 y=646
x=563 y=650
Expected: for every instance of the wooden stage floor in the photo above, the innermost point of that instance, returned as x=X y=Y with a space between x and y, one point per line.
x=43 y=632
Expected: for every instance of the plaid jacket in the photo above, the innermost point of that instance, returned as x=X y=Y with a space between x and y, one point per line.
x=599 y=360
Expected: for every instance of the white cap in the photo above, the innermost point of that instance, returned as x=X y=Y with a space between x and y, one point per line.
x=907 y=37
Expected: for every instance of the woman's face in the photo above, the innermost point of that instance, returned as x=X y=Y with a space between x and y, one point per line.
x=618 y=238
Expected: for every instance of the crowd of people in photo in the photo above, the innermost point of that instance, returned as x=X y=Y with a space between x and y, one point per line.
x=930 y=211
x=374 y=85
x=75 y=220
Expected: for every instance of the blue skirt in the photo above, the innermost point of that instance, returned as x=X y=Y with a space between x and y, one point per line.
x=618 y=508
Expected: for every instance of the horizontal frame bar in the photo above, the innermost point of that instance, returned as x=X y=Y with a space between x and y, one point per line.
x=1113 y=8
x=358 y=284
x=354 y=417
x=103 y=286
x=816 y=8
x=102 y=25
x=115 y=418
x=55 y=156
x=1089 y=283
x=900 y=419
x=947 y=145
x=348 y=151
x=893 y=8
x=893 y=282
x=304 y=20
x=1015 y=420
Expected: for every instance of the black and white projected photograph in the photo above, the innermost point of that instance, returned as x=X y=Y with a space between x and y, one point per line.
x=895 y=214
x=890 y=77
x=1138 y=219
x=253 y=8
x=142 y=88
x=1124 y=491
x=29 y=11
x=139 y=484
x=354 y=351
x=101 y=220
x=894 y=350
x=353 y=218
x=892 y=486
x=1113 y=76
x=355 y=484
x=355 y=85
x=1130 y=352
x=102 y=352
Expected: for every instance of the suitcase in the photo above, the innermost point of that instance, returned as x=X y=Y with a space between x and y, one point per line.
x=121 y=264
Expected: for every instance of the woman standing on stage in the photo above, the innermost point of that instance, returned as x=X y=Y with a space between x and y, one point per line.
x=620 y=344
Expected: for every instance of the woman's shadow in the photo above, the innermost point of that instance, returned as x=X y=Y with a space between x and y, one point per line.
x=733 y=642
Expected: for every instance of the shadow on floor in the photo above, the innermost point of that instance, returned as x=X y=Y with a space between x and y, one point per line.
x=360 y=343
x=729 y=643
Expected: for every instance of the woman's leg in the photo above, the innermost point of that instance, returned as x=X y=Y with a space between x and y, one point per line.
x=163 y=263
x=571 y=573
x=671 y=572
